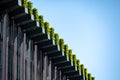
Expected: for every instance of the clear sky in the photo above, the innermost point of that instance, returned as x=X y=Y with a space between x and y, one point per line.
x=91 y=28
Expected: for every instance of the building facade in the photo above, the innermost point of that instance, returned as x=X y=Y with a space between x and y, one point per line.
x=27 y=52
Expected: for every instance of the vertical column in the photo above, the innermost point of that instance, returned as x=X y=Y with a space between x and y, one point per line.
x=41 y=64
x=21 y=55
x=35 y=63
x=15 y=59
x=60 y=75
x=24 y=54
x=45 y=68
x=28 y=60
x=49 y=70
x=21 y=62
x=5 y=47
x=54 y=73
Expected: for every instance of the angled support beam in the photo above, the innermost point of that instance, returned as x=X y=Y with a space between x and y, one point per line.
x=40 y=38
x=21 y=11
x=24 y=19
x=33 y=31
x=10 y=5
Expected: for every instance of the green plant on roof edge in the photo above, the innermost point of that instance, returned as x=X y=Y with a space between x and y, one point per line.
x=74 y=60
x=61 y=43
x=89 y=76
x=30 y=7
x=66 y=50
x=52 y=33
x=70 y=55
x=41 y=21
x=47 y=27
x=35 y=13
x=82 y=69
x=86 y=73
x=93 y=78
x=56 y=39
x=78 y=65
x=24 y=3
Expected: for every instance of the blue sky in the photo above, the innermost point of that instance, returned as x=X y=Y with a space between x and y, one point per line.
x=91 y=28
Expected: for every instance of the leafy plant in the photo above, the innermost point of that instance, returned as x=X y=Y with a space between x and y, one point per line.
x=74 y=60
x=61 y=43
x=89 y=76
x=66 y=50
x=30 y=7
x=47 y=27
x=35 y=13
x=52 y=33
x=86 y=74
x=56 y=39
x=78 y=65
x=93 y=78
x=41 y=21
x=70 y=55
x=82 y=69
x=24 y=3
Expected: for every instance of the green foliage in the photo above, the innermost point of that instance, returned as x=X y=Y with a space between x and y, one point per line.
x=82 y=69
x=66 y=50
x=78 y=65
x=35 y=13
x=74 y=60
x=86 y=74
x=93 y=78
x=61 y=43
x=52 y=33
x=70 y=55
x=24 y=3
x=41 y=21
x=30 y=7
x=56 y=39
x=47 y=27
x=89 y=76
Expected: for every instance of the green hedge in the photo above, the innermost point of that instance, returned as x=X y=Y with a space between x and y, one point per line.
x=74 y=60
x=89 y=76
x=35 y=13
x=86 y=73
x=66 y=50
x=47 y=27
x=52 y=33
x=78 y=65
x=70 y=55
x=56 y=39
x=24 y=3
x=41 y=21
x=82 y=69
x=30 y=7
x=61 y=43
x=93 y=78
